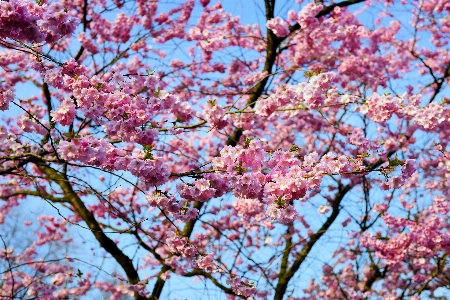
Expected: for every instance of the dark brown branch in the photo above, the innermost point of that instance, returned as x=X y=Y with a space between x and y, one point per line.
x=284 y=279
x=124 y=261
x=198 y=272
x=377 y=274
x=286 y=252
x=328 y=9
x=16 y=167
x=37 y=194
x=187 y=231
x=85 y=22
x=48 y=99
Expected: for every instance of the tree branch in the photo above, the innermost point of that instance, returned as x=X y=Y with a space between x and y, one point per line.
x=284 y=279
x=87 y=216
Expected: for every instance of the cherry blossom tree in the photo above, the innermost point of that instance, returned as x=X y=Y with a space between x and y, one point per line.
x=302 y=157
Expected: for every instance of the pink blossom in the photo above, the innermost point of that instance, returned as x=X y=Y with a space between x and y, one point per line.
x=65 y=113
x=5 y=97
x=278 y=26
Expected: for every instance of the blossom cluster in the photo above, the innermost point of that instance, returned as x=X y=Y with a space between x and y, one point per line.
x=65 y=113
x=98 y=152
x=278 y=26
x=124 y=116
x=407 y=170
x=180 y=245
x=243 y=288
x=311 y=94
x=421 y=240
x=215 y=115
x=27 y=21
x=5 y=98
x=380 y=108
x=285 y=178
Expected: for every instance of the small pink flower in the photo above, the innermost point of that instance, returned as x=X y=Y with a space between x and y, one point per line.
x=278 y=26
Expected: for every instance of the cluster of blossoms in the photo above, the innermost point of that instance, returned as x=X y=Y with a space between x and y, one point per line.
x=27 y=21
x=179 y=209
x=225 y=32
x=407 y=170
x=215 y=115
x=56 y=22
x=126 y=117
x=5 y=98
x=278 y=26
x=208 y=187
x=305 y=18
x=180 y=245
x=243 y=288
x=89 y=150
x=358 y=139
x=419 y=239
x=381 y=108
x=249 y=208
x=282 y=96
x=207 y=263
x=429 y=116
x=278 y=179
x=312 y=94
x=211 y=186
x=65 y=113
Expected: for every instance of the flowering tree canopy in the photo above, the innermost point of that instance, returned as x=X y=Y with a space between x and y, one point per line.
x=302 y=157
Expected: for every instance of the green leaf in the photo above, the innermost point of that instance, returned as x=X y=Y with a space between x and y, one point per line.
x=247 y=141
x=280 y=201
x=71 y=134
x=157 y=92
x=294 y=149
x=240 y=169
x=148 y=152
x=395 y=162
x=309 y=74
x=364 y=154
